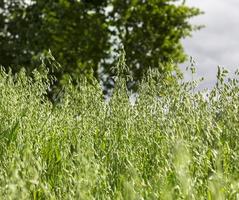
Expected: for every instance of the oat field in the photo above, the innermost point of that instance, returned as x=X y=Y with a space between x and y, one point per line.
x=169 y=142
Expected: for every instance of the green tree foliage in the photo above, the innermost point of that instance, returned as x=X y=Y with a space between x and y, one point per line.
x=86 y=35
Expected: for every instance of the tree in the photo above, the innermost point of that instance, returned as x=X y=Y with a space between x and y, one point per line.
x=85 y=35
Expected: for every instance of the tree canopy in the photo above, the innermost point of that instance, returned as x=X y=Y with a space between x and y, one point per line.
x=86 y=35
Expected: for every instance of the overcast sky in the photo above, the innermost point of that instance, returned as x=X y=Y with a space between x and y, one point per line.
x=217 y=43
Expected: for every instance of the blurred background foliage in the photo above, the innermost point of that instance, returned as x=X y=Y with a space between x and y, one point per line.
x=85 y=36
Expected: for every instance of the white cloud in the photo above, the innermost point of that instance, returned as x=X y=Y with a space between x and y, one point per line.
x=218 y=43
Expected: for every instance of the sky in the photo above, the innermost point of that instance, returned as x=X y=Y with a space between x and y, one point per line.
x=218 y=43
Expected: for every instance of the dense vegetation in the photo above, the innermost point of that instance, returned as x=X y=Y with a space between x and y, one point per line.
x=86 y=35
x=171 y=143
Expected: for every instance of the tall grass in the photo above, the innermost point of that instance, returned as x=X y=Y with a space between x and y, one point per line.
x=172 y=143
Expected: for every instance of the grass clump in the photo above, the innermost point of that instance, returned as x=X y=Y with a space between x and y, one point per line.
x=172 y=143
